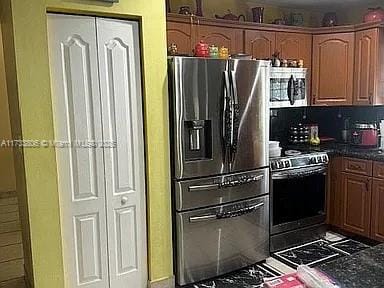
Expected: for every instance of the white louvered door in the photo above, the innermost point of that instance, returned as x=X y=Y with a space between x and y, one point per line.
x=119 y=66
x=96 y=94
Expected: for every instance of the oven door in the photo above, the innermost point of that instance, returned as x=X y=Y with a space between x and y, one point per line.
x=221 y=239
x=298 y=198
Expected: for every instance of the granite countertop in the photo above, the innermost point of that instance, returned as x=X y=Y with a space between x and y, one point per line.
x=361 y=270
x=339 y=149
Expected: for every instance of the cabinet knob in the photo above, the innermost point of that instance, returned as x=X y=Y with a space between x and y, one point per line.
x=124 y=200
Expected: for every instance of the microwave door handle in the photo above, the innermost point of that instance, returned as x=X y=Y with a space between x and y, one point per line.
x=235 y=118
x=291 y=90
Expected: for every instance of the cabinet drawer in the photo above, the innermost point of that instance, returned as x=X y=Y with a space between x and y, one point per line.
x=378 y=170
x=357 y=166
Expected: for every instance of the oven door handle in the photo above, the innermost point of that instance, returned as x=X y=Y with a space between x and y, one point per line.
x=232 y=214
x=298 y=174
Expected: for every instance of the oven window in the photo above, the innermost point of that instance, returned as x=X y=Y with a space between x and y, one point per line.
x=298 y=198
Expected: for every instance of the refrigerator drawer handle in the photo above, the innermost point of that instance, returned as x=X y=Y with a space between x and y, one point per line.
x=233 y=214
x=203 y=218
x=203 y=187
x=240 y=212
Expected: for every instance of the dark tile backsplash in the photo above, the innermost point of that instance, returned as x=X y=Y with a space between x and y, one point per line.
x=330 y=119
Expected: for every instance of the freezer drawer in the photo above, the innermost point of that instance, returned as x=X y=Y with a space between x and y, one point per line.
x=218 y=240
x=211 y=191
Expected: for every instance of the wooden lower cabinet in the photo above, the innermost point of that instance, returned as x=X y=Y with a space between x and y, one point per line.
x=357 y=199
x=335 y=193
x=377 y=226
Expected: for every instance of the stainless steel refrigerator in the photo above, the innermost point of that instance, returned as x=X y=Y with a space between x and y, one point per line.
x=220 y=177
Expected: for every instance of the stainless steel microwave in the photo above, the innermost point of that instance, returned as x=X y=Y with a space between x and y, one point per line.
x=288 y=87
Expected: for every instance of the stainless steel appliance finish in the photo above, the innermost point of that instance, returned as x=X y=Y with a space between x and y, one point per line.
x=288 y=87
x=220 y=161
x=298 y=191
x=197 y=193
x=221 y=239
x=220 y=115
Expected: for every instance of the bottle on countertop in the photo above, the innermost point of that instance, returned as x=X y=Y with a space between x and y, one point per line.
x=345 y=132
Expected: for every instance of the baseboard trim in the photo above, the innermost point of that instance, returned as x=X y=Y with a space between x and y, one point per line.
x=163 y=283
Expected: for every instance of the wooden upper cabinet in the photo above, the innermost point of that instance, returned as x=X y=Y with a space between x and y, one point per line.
x=260 y=44
x=295 y=46
x=221 y=36
x=377 y=227
x=180 y=34
x=369 y=65
x=357 y=203
x=333 y=62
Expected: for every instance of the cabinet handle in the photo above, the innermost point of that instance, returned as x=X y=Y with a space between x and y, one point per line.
x=355 y=167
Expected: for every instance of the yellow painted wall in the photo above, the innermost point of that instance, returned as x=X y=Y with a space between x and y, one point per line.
x=7 y=169
x=10 y=67
x=28 y=24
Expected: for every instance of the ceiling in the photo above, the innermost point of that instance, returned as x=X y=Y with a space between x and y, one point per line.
x=315 y=3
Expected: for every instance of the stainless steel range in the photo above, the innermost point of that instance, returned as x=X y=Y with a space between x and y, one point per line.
x=219 y=136
x=298 y=193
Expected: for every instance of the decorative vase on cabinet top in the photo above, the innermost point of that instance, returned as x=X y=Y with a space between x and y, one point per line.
x=374 y=14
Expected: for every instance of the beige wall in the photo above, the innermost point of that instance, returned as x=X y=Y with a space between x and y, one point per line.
x=7 y=169
x=312 y=17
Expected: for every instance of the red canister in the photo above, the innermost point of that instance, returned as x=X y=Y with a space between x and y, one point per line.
x=364 y=135
x=201 y=49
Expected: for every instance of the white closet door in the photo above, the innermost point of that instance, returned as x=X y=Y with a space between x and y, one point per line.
x=120 y=82
x=77 y=117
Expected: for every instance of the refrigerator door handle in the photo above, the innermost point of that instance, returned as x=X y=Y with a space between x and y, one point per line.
x=235 y=121
x=226 y=123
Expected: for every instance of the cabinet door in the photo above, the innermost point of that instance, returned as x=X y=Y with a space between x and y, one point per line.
x=259 y=44
x=377 y=228
x=77 y=117
x=181 y=35
x=333 y=62
x=366 y=57
x=120 y=83
x=357 y=204
x=295 y=46
x=219 y=36
x=335 y=193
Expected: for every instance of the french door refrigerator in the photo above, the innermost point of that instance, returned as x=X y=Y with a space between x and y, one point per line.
x=220 y=177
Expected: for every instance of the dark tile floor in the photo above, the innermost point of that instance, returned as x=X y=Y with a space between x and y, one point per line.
x=312 y=254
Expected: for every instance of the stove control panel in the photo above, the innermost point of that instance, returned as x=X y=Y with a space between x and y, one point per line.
x=300 y=161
